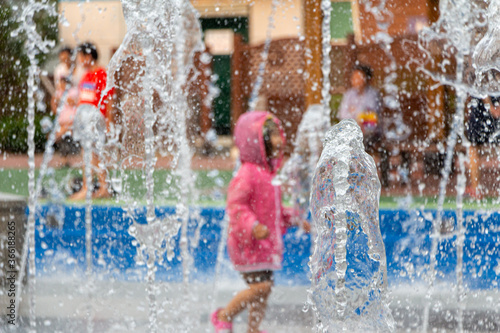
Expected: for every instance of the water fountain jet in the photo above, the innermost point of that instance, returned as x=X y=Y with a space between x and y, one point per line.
x=348 y=265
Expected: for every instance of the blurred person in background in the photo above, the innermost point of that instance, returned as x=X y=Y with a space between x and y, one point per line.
x=64 y=142
x=482 y=128
x=91 y=120
x=63 y=68
x=363 y=103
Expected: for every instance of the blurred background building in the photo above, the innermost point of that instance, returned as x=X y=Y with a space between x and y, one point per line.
x=234 y=32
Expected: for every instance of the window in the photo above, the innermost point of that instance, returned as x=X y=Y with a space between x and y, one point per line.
x=343 y=20
x=219 y=41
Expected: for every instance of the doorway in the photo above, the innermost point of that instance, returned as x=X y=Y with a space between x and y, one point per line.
x=218 y=34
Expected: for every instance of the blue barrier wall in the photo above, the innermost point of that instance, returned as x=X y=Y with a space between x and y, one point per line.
x=61 y=248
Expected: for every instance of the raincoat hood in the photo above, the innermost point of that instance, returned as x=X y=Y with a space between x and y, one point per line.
x=249 y=138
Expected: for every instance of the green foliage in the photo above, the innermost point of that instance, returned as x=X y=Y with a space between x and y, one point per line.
x=14 y=62
x=14 y=73
x=335 y=101
x=14 y=133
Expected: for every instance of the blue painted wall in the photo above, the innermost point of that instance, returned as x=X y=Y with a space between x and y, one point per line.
x=61 y=249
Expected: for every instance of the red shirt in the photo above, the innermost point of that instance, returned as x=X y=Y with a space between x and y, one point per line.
x=91 y=88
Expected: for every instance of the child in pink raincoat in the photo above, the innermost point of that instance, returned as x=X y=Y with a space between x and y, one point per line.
x=257 y=220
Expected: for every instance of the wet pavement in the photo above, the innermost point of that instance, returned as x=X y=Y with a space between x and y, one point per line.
x=121 y=306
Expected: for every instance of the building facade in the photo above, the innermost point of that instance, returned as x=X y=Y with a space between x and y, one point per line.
x=248 y=23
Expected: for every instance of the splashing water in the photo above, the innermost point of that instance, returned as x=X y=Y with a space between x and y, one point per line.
x=455 y=32
x=326 y=8
x=35 y=45
x=348 y=266
x=454 y=37
x=299 y=168
x=154 y=110
x=259 y=80
x=486 y=55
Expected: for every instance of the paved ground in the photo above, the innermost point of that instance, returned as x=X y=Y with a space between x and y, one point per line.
x=120 y=306
x=198 y=162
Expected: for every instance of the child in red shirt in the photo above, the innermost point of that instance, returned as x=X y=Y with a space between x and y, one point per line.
x=91 y=88
x=90 y=122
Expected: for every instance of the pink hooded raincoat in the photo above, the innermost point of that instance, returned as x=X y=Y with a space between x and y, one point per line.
x=253 y=199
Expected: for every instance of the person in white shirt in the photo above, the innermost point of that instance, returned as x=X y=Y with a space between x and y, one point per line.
x=63 y=80
x=62 y=69
x=363 y=103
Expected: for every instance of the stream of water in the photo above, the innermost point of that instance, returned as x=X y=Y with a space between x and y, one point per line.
x=151 y=71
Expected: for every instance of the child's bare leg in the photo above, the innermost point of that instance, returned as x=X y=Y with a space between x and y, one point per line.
x=236 y=305
x=82 y=193
x=473 y=189
x=101 y=177
x=244 y=298
x=257 y=308
x=474 y=169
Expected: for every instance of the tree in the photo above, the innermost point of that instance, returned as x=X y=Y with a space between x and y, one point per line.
x=14 y=72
